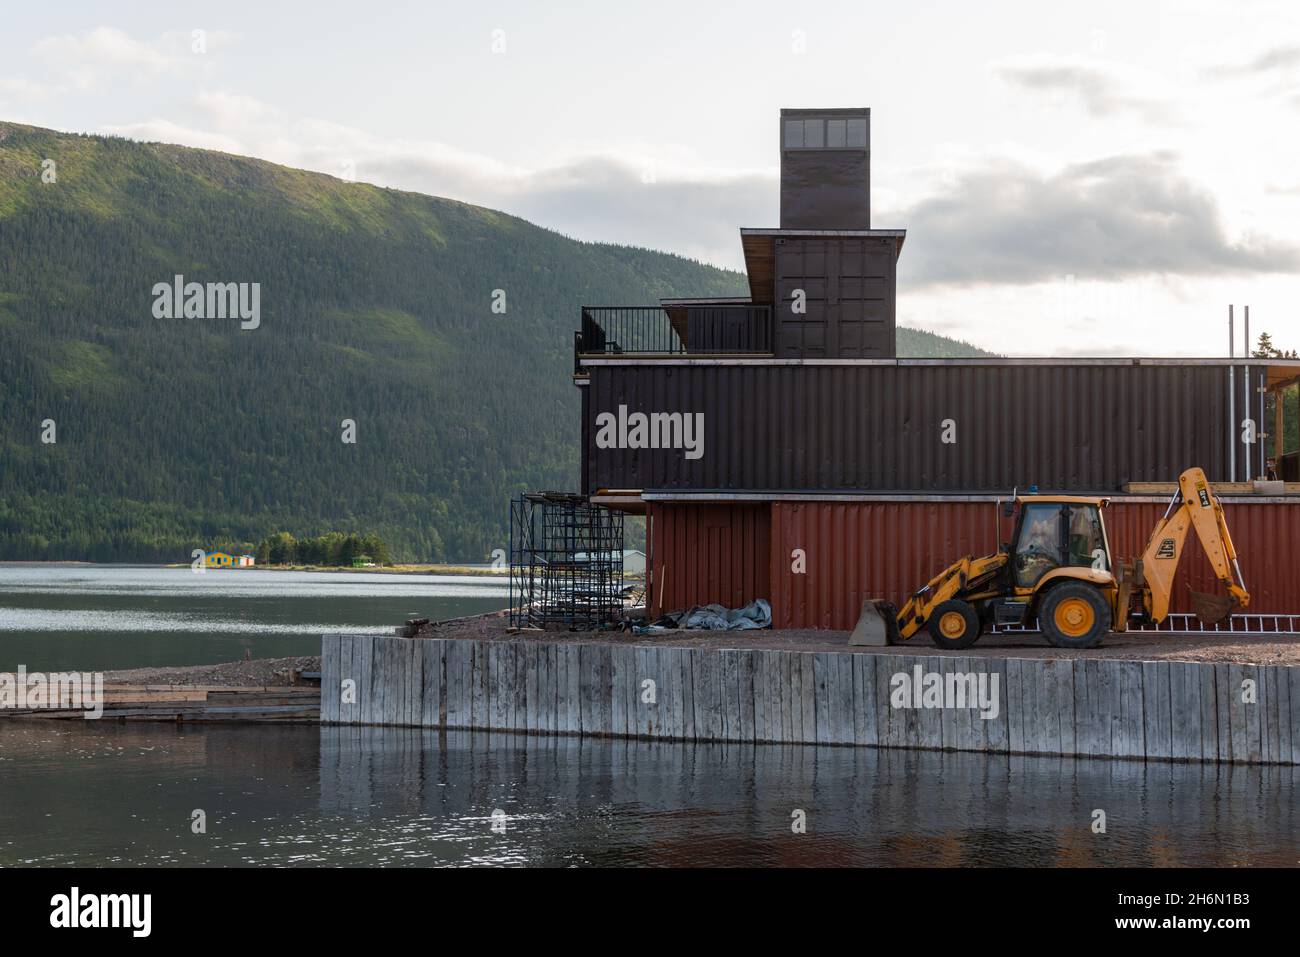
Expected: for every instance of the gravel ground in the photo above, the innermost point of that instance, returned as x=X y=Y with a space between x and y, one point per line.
x=1239 y=648
x=258 y=673
x=1242 y=649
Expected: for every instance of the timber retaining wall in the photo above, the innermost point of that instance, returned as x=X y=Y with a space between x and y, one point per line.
x=1166 y=710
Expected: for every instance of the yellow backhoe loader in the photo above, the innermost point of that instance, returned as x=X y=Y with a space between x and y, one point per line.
x=1058 y=570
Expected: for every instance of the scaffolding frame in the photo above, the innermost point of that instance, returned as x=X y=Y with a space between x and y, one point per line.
x=566 y=562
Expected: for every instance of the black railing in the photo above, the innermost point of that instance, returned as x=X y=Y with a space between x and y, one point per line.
x=705 y=329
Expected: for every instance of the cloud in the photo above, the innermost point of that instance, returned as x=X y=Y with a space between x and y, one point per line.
x=1103 y=89
x=1284 y=58
x=82 y=59
x=103 y=54
x=1124 y=216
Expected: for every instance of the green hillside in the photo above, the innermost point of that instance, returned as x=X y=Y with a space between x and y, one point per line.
x=376 y=306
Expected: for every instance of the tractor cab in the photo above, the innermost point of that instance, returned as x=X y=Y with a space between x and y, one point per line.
x=1054 y=534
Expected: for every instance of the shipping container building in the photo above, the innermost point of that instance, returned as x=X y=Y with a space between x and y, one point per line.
x=751 y=428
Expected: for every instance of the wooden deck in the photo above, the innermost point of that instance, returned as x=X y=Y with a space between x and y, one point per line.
x=189 y=703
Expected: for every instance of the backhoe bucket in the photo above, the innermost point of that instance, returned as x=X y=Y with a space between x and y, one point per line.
x=1212 y=609
x=877 y=625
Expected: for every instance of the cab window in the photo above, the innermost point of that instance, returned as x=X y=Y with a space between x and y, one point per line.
x=1039 y=549
x=1087 y=543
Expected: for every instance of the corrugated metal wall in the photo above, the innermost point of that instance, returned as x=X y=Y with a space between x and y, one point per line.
x=706 y=554
x=879 y=427
x=857 y=550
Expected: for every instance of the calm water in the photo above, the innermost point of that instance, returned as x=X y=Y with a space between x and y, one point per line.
x=78 y=792
x=97 y=617
x=100 y=793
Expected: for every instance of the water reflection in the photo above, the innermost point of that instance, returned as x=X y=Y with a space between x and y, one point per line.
x=78 y=793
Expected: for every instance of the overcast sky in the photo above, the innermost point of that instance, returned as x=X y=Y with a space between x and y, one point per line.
x=1089 y=179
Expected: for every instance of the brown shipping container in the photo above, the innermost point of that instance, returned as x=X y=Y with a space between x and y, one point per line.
x=709 y=554
x=888 y=549
x=1083 y=426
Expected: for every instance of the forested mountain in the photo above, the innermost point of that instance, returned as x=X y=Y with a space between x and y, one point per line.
x=376 y=305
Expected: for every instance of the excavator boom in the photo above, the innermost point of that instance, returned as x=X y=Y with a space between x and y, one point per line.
x=1194 y=506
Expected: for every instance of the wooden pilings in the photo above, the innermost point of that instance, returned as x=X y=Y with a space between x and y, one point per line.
x=1082 y=706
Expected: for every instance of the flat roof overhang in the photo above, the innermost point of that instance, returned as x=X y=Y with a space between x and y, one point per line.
x=1279 y=371
x=759 y=246
x=740 y=497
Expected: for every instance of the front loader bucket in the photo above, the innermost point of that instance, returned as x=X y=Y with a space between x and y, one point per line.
x=1212 y=609
x=877 y=625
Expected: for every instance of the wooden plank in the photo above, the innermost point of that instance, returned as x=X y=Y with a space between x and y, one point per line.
x=431 y=675
x=573 y=687
x=363 y=654
x=864 y=700
x=823 y=676
x=644 y=716
x=620 y=664
x=843 y=701
x=527 y=688
x=788 y=676
x=1224 y=709
x=1157 y=709
x=1293 y=676
x=1245 y=714
x=1268 y=733
x=1208 y=677
x=686 y=661
x=993 y=733
x=547 y=706
x=500 y=685
x=1091 y=724
x=1185 y=734
x=459 y=688
x=329 y=665
x=808 y=698
x=706 y=691
x=762 y=697
x=480 y=699
x=886 y=723
x=382 y=686
x=1018 y=729
x=520 y=708
x=745 y=678
x=1128 y=735
x=415 y=685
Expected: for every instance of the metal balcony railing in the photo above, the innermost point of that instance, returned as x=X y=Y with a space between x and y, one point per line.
x=707 y=329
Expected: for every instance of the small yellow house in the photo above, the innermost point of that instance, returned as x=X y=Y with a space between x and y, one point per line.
x=218 y=560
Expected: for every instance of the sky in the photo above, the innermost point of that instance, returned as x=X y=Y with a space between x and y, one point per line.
x=1076 y=179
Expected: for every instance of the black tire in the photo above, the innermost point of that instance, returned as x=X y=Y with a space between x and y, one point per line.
x=942 y=622
x=1062 y=602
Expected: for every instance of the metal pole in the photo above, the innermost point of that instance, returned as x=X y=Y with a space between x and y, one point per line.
x=1232 y=403
x=1245 y=391
x=1263 y=459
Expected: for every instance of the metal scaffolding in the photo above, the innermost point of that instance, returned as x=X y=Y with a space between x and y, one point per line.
x=566 y=562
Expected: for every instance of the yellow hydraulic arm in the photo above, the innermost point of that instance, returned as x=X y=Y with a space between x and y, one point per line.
x=1198 y=509
x=956 y=581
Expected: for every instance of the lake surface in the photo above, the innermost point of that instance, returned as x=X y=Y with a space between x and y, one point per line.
x=100 y=617
x=90 y=793
x=99 y=793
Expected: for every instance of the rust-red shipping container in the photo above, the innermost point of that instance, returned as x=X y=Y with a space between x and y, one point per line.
x=817 y=560
x=709 y=554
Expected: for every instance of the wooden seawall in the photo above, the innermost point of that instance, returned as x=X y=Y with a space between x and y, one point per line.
x=1163 y=710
